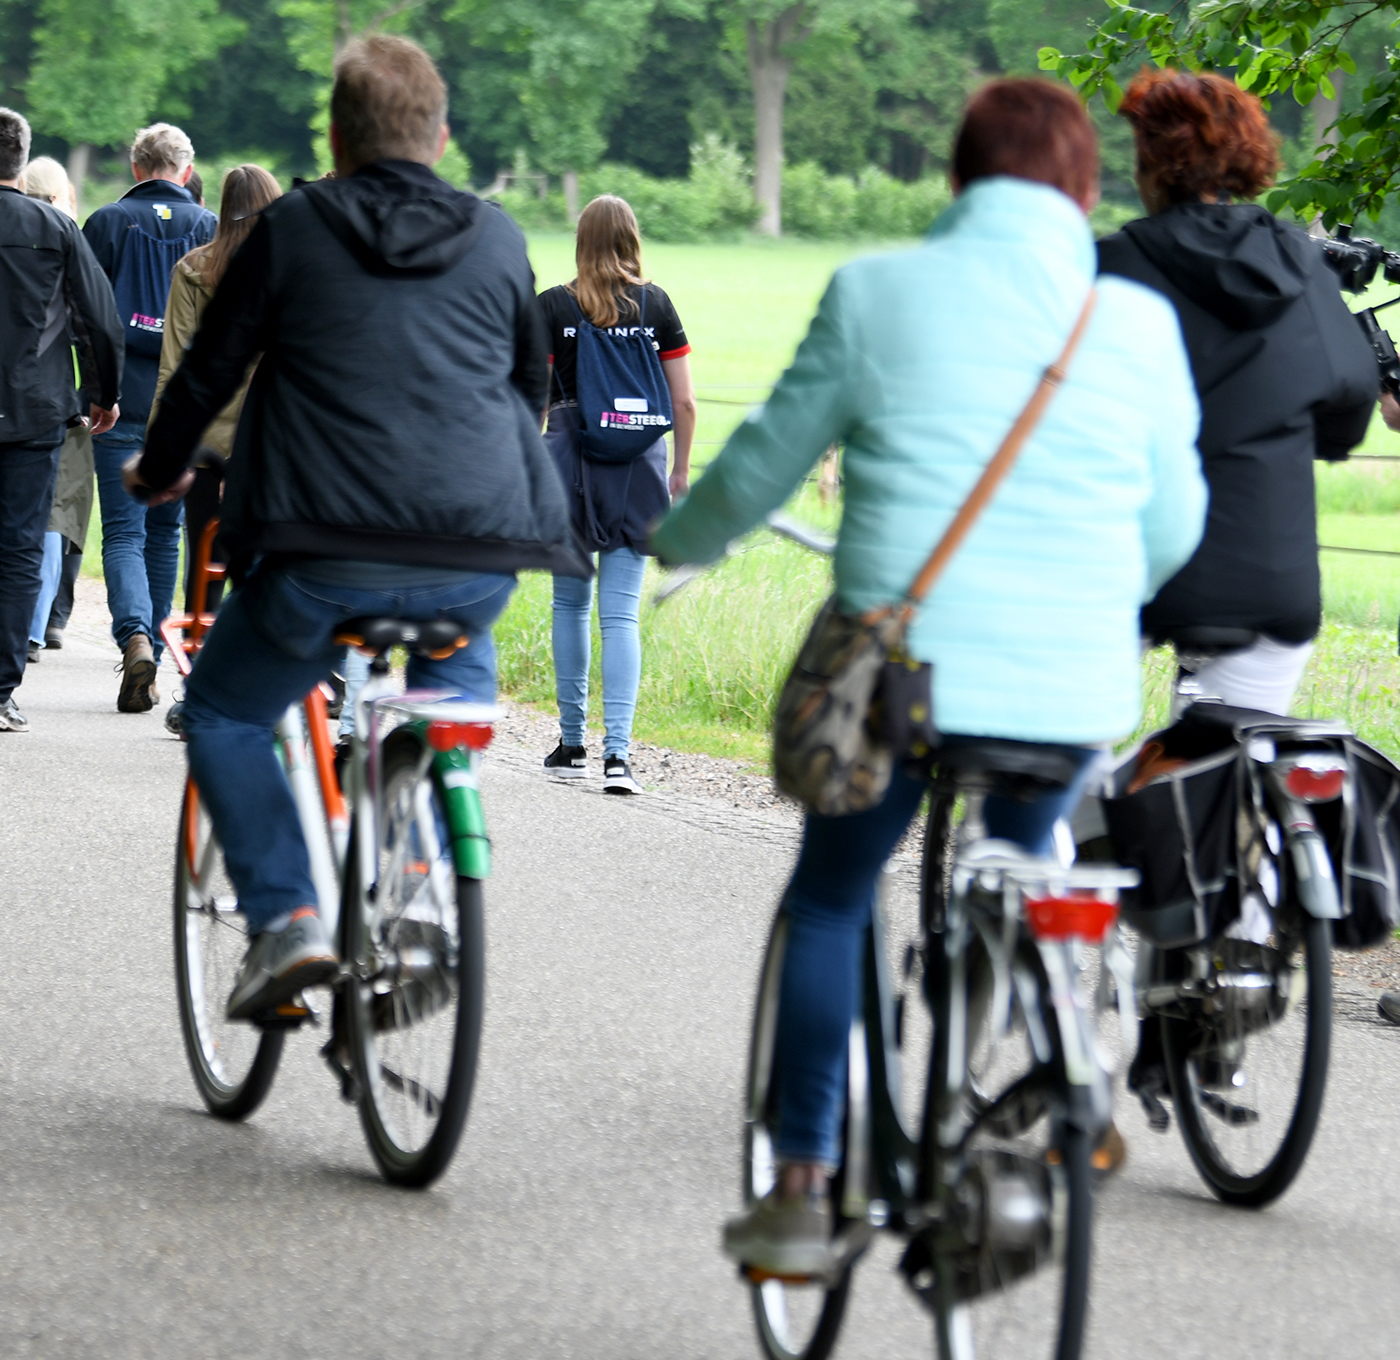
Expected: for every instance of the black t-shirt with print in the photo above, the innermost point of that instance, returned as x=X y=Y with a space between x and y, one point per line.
x=561 y=314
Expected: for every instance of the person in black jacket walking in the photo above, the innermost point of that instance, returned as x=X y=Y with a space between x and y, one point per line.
x=138 y=240
x=1282 y=370
x=388 y=460
x=52 y=292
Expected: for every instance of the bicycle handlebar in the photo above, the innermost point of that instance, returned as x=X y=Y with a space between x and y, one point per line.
x=777 y=523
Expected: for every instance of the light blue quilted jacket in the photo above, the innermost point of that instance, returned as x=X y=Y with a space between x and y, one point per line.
x=918 y=362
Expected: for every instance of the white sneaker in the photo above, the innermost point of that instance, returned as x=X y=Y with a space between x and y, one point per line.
x=617 y=776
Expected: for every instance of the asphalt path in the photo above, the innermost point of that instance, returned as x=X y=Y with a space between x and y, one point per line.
x=581 y=1216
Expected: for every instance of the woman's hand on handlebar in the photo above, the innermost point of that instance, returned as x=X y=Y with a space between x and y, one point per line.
x=138 y=490
x=1390 y=411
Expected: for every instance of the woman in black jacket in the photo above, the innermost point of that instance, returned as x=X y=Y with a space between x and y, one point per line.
x=1281 y=368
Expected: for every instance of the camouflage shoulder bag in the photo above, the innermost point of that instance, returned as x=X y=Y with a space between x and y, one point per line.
x=855 y=702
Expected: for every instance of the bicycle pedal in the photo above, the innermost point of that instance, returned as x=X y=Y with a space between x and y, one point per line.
x=289 y=1015
x=1230 y=1113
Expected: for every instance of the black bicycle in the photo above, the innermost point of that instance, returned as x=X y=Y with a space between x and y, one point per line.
x=980 y=1160
x=1241 y=1004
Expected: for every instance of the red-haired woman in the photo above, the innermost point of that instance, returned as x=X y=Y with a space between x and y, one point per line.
x=1283 y=374
x=1282 y=370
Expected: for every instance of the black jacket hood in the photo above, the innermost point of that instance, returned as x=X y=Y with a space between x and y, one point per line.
x=399 y=217
x=1238 y=262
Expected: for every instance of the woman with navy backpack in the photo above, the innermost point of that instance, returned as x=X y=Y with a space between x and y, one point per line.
x=620 y=379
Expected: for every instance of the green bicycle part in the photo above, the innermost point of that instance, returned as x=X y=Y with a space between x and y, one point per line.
x=455 y=772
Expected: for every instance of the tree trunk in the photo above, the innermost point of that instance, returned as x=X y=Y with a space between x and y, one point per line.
x=770 y=64
x=79 y=154
x=1326 y=111
x=571 y=195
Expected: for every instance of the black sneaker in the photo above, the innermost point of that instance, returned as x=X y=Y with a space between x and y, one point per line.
x=53 y=637
x=1389 y=1007
x=175 y=719
x=11 y=719
x=567 y=762
x=617 y=776
x=34 y=649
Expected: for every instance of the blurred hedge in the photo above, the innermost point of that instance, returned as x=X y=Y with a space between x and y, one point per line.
x=716 y=201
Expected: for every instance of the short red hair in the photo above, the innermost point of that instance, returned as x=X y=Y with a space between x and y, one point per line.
x=1031 y=129
x=1200 y=134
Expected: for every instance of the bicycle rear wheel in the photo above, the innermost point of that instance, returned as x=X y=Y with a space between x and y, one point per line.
x=795 y=1320
x=233 y=1063
x=1247 y=1083
x=417 y=951
x=1026 y=1298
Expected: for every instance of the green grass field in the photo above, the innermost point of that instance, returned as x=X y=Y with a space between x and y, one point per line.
x=715 y=655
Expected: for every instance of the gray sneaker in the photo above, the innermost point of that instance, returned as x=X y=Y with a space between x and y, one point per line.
x=11 y=719
x=786 y=1236
x=279 y=963
x=1389 y=1007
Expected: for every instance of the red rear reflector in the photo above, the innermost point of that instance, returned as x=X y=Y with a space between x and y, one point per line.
x=1315 y=786
x=447 y=736
x=1065 y=918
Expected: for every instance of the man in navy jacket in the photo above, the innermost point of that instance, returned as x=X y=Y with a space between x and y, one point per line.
x=51 y=294
x=142 y=235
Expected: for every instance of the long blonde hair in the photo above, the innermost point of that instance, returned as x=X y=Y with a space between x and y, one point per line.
x=246 y=191
x=608 y=253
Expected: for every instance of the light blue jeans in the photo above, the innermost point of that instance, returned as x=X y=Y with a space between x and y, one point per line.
x=140 y=545
x=50 y=578
x=619 y=607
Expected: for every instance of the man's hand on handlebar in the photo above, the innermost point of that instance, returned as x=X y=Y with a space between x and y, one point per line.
x=101 y=419
x=138 y=490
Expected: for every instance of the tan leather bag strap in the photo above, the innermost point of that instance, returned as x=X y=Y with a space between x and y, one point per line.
x=1001 y=462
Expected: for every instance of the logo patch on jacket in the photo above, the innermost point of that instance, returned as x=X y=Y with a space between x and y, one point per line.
x=161 y=210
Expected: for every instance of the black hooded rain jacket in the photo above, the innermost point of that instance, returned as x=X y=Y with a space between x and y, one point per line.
x=395 y=414
x=1284 y=376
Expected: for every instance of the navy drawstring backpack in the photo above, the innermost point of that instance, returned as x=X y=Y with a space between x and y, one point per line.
x=624 y=401
x=142 y=285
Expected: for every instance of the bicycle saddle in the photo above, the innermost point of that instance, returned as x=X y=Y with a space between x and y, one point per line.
x=1210 y=639
x=1030 y=761
x=435 y=638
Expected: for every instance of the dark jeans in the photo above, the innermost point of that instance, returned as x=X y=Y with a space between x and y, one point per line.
x=140 y=544
x=62 y=609
x=272 y=642
x=28 y=474
x=828 y=905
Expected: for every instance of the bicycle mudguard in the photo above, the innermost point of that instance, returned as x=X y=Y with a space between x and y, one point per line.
x=455 y=771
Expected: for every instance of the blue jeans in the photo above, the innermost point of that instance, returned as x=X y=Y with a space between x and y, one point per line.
x=140 y=546
x=828 y=905
x=28 y=474
x=274 y=640
x=50 y=577
x=619 y=607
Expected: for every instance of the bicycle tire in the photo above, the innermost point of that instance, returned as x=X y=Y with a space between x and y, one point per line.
x=446 y=1095
x=1271 y=1180
x=825 y=1308
x=233 y=1065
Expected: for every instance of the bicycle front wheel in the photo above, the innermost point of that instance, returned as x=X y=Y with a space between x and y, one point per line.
x=417 y=951
x=795 y=1320
x=233 y=1063
x=1248 y=1082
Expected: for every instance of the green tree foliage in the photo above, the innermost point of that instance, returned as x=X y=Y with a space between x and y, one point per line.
x=1301 y=50
x=100 y=66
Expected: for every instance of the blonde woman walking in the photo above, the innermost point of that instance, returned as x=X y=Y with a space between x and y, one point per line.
x=614 y=503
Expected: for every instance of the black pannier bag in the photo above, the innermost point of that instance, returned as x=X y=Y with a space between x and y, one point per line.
x=1193 y=831
x=1180 y=831
x=1362 y=831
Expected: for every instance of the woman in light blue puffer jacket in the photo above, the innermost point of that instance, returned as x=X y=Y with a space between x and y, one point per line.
x=918 y=362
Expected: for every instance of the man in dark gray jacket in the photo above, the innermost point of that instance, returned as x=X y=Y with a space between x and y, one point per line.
x=388 y=461
x=52 y=292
